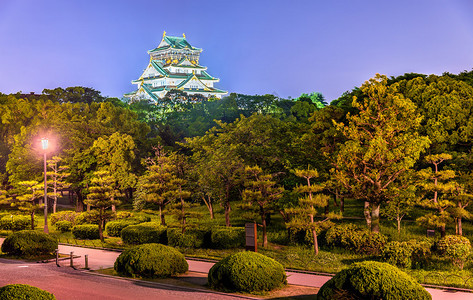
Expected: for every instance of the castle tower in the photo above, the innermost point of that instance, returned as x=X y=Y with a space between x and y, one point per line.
x=174 y=64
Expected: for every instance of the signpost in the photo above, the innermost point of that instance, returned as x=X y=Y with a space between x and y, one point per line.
x=250 y=237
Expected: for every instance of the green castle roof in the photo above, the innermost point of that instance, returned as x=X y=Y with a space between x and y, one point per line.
x=174 y=42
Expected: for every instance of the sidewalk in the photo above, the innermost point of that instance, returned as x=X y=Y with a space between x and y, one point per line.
x=101 y=259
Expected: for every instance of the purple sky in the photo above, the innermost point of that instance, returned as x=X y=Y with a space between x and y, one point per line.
x=254 y=47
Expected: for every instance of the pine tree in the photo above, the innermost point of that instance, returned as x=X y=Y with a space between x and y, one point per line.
x=27 y=197
x=305 y=213
x=261 y=194
x=57 y=177
x=101 y=197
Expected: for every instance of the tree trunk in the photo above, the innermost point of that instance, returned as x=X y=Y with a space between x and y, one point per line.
x=375 y=218
x=161 y=216
x=265 y=237
x=80 y=201
x=442 y=231
x=316 y=244
x=342 y=205
x=367 y=213
x=101 y=231
x=32 y=220
x=460 y=229
x=208 y=203
x=227 y=213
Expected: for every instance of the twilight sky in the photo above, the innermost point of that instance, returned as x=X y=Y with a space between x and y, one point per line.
x=254 y=47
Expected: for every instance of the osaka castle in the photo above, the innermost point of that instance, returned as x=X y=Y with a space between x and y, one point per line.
x=174 y=65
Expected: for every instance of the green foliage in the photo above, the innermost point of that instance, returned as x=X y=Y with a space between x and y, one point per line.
x=114 y=228
x=228 y=237
x=456 y=248
x=191 y=238
x=351 y=237
x=14 y=222
x=86 y=232
x=398 y=254
x=372 y=280
x=29 y=243
x=66 y=215
x=247 y=272
x=64 y=226
x=24 y=292
x=151 y=261
x=85 y=217
x=144 y=233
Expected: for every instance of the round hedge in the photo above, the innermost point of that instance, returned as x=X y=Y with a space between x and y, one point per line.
x=228 y=237
x=114 y=228
x=24 y=291
x=15 y=222
x=144 y=233
x=151 y=261
x=28 y=243
x=63 y=226
x=372 y=280
x=247 y=272
x=456 y=247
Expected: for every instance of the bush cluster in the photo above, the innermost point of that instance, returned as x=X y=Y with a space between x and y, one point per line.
x=114 y=228
x=191 y=238
x=86 y=217
x=247 y=272
x=15 y=222
x=151 y=261
x=228 y=237
x=372 y=280
x=144 y=233
x=86 y=232
x=455 y=247
x=66 y=215
x=352 y=238
x=24 y=291
x=64 y=226
x=121 y=215
x=29 y=243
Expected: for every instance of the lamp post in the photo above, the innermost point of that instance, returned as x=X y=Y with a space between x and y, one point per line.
x=44 y=145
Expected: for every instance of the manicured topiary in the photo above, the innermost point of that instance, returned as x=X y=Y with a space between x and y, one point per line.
x=144 y=233
x=457 y=248
x=24 y=291
x=86 y=217
x=114 y=228
x=63 y=226
x=347 y=236
x=151 y=261
x=228 y=237
x=191 y=238
x=372 y=280
x=397 y=254
x=29 y=243
x=15 y=222
x=66 y=215
x=86 y=232
x=247 y=272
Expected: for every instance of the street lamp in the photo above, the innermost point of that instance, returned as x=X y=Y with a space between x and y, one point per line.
x=44 y=145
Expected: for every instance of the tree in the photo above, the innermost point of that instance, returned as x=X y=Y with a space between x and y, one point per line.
x=57 y=176
x=306 y=210
x=261 y=193
x=27 y=196
x=156 y=185
x=437 y=186
x=463 y=198
x=382 y=143
x=101 y=197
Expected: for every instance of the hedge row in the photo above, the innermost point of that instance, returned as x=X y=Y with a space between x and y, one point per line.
x=24 y=291
x=29 y=243
x=15 y=222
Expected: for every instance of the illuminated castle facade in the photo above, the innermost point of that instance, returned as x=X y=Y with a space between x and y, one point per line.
x=174 y=65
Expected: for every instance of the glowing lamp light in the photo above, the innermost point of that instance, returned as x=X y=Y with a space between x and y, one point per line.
x=44 y=143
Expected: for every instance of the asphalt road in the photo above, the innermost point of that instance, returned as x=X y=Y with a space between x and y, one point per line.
x=67 y=283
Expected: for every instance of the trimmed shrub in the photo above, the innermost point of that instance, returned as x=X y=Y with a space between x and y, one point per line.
x=347 y=236
x=247 y=272
x=457 y=248
x=372 y=280
x=114 y=228
x=15 y=222
x=131 y=216
x=24 y=291
x=144 y=233
x=151 y=261
x=66 y=215
x=372 y=243
x=63 y=226
x=191 y=238
x=86 y=217
x=228 y=237
x=398 y=254
x=86 y=232
x=29 y=243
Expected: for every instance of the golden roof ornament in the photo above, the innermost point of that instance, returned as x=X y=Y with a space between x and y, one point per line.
x=164 y=33
x=184 y=35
